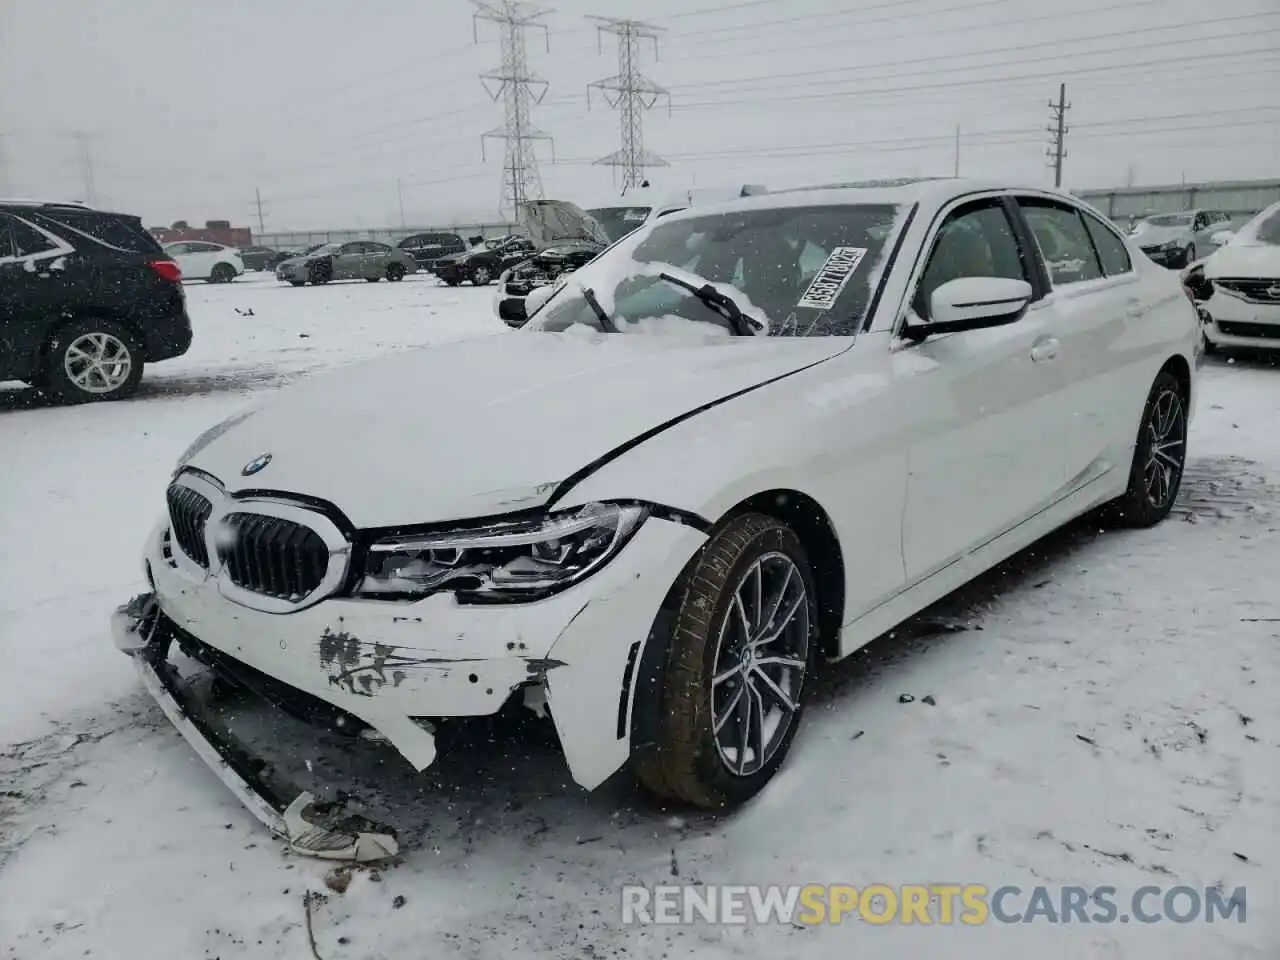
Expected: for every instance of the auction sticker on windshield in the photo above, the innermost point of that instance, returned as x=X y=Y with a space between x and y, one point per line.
x=832 y=278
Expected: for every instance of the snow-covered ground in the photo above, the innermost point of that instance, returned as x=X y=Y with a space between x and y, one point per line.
x=1104 y=711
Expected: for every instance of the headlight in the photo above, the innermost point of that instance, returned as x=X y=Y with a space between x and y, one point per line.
x=516 y=561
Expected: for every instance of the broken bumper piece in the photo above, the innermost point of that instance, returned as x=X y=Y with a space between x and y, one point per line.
x=140 y=629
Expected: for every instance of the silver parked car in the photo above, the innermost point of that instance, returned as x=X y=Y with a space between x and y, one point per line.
x=354 y=260
x=1178 y=239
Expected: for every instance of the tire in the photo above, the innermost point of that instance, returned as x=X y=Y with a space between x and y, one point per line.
x=481 y=275
x=1159 y=457
x=373 y=279
x=1189 y=255
x=75 y=348
x=320 y=273
x=298 y=283
x=693 y=763
x=453 y=283
x=222 y=273
x=395 y=272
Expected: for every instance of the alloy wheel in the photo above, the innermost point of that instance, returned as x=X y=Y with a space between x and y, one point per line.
x=98 y=363
x=1166 y=451
x=761 y=657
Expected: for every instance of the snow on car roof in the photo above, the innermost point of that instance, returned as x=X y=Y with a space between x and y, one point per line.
x=929 y=191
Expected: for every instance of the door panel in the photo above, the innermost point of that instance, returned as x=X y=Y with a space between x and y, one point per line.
x=1088 y=317
x=987 y=456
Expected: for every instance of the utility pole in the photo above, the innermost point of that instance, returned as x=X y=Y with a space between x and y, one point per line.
x=400 y=197
x=1059 y=129
x=631 y=93
x=5 y=186
x=257 y=199
x=519 y=89
x=957 y=169
x=84 y=140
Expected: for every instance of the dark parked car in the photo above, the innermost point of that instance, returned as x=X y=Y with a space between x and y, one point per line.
x=353 y=260
x=541 y=270
x=258 y=258
x=486 y=263
x=427 y=248
x=86 y=299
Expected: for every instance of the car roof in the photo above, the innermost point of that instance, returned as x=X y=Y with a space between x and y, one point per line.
x=28 y=202
x=931 y=192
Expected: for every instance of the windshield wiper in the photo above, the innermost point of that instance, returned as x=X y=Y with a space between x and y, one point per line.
x=739 y=323
x=606 y=324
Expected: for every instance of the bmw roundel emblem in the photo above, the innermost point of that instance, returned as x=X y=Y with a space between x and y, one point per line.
x=256 y=465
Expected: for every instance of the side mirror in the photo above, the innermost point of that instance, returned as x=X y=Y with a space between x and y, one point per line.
x=536 y=298
x=1222 y=238
x=975 y=303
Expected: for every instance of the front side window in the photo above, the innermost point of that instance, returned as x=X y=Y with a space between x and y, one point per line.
x=976 y=240
x=792 y=271
x=1063 y=240
x=1111 y=250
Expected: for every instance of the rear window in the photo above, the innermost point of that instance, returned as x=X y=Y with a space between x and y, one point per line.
x=127 y=233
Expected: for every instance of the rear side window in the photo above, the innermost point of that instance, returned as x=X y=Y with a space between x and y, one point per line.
x=1063 y=240
x=25 y=240
x=126 y=233
x=1111 y=251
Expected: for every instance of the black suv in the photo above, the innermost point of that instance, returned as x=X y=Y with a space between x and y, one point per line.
x=86 y=298
x=427 y=248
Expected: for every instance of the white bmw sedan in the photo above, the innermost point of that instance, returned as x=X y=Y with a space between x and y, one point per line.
x=745 y=441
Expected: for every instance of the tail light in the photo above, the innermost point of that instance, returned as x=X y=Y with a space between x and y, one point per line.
x=168 y=269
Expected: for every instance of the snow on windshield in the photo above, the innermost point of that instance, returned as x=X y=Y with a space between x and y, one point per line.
x=1264 y=228
x=792 y=271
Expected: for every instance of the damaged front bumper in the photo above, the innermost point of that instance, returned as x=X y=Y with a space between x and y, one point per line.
x=140 y=629
x=387 y=669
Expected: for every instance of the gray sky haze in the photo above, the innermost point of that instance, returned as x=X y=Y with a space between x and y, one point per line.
x=324 y=105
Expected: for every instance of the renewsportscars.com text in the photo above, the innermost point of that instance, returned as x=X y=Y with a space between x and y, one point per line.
x=928 y=904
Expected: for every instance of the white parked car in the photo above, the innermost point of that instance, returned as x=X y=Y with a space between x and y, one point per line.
x=746 y=440
x=200 y=260
x=1238 y=286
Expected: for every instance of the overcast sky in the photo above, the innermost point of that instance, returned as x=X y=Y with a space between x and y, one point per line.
x=323 y=105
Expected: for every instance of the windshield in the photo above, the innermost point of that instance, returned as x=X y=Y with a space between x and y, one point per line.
x=619 y=221
x=794 y=271
x=1170 y=220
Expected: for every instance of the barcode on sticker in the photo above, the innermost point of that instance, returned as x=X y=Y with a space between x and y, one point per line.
x=832 y=278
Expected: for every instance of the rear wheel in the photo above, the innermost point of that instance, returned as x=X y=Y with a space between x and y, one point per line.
x=395 y=272
x=1159 y=456
x=739 y=654
x=91 y=360
x=222 y=273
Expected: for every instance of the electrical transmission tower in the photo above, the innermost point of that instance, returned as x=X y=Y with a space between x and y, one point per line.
x=1058 y=130
x=631 y=93
x=519 y=89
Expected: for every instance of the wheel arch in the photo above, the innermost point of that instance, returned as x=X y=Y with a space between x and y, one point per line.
x=1178 y=366
x=813 y=525
x=61 y=322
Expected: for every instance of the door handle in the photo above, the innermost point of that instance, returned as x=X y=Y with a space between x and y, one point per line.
x=1045 y=349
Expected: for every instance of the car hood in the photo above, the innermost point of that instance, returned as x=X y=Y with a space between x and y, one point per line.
x=1156 y=236
x=485 y=426
x=549 y=221
x=1259 y=261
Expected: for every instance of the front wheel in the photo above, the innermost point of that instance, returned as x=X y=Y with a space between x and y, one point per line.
x=395 y=272
x=91 y=360
x=481 y=276
x=740 y=651
x=222 y=273
x=1159 y=456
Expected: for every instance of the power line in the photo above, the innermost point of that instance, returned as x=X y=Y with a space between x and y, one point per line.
x=519 y=90
x=807 y=76
x=1058 y=130
x=631 y=93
